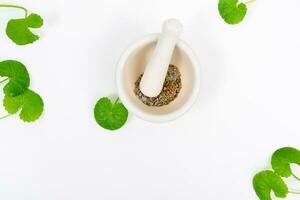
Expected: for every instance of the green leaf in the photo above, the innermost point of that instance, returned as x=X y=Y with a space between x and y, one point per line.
x=267 y=181
x=231 y=11
x=111 y=116
x=18 y=29
x=283 y=158
x=30 y=104
x=18 y=77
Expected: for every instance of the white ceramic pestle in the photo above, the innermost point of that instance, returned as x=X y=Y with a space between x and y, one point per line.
x=155 y=72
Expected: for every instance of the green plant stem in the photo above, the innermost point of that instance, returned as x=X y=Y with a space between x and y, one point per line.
x=296 y=177
x=3 y=117
x=293 y=192
x=117 y=100
x=15 y=6
x=250 y=1
x=3 y=80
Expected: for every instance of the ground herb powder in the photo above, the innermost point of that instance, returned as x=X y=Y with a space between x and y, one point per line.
x=170 y=91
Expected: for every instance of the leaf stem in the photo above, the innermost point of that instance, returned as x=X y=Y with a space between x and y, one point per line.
x=293 y=192
x=3 y=117
x=250 y=1
x=3 y=80
x=296 y=177
x=117 y=100
x=15 y=6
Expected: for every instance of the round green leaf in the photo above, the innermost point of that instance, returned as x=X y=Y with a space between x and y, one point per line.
x=283 y=158
x=108 y=115
x=18 y=29
x=30 y=104
x=18 y=77
x=231 y=11
x=267 y=181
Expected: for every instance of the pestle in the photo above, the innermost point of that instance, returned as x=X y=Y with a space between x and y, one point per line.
x=156 y=70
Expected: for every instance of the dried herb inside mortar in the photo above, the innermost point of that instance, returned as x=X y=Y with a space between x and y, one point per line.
x=170 y=91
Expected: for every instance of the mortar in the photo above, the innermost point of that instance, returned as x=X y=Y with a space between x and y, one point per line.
x=132 y=64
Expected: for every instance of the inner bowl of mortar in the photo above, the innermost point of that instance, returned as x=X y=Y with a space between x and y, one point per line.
x=132 y=64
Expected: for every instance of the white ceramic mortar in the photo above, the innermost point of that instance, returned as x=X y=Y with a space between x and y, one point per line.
x=132 y=64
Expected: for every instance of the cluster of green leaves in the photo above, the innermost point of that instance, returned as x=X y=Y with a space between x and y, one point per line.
x=233 y=11
x=110 y=115
x=19 y=30
x=267 y=181
x=18 y=97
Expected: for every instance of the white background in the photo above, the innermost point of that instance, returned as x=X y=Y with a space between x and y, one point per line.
x=248 y=107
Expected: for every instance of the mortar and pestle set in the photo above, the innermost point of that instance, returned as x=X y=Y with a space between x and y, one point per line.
x=151 y=56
